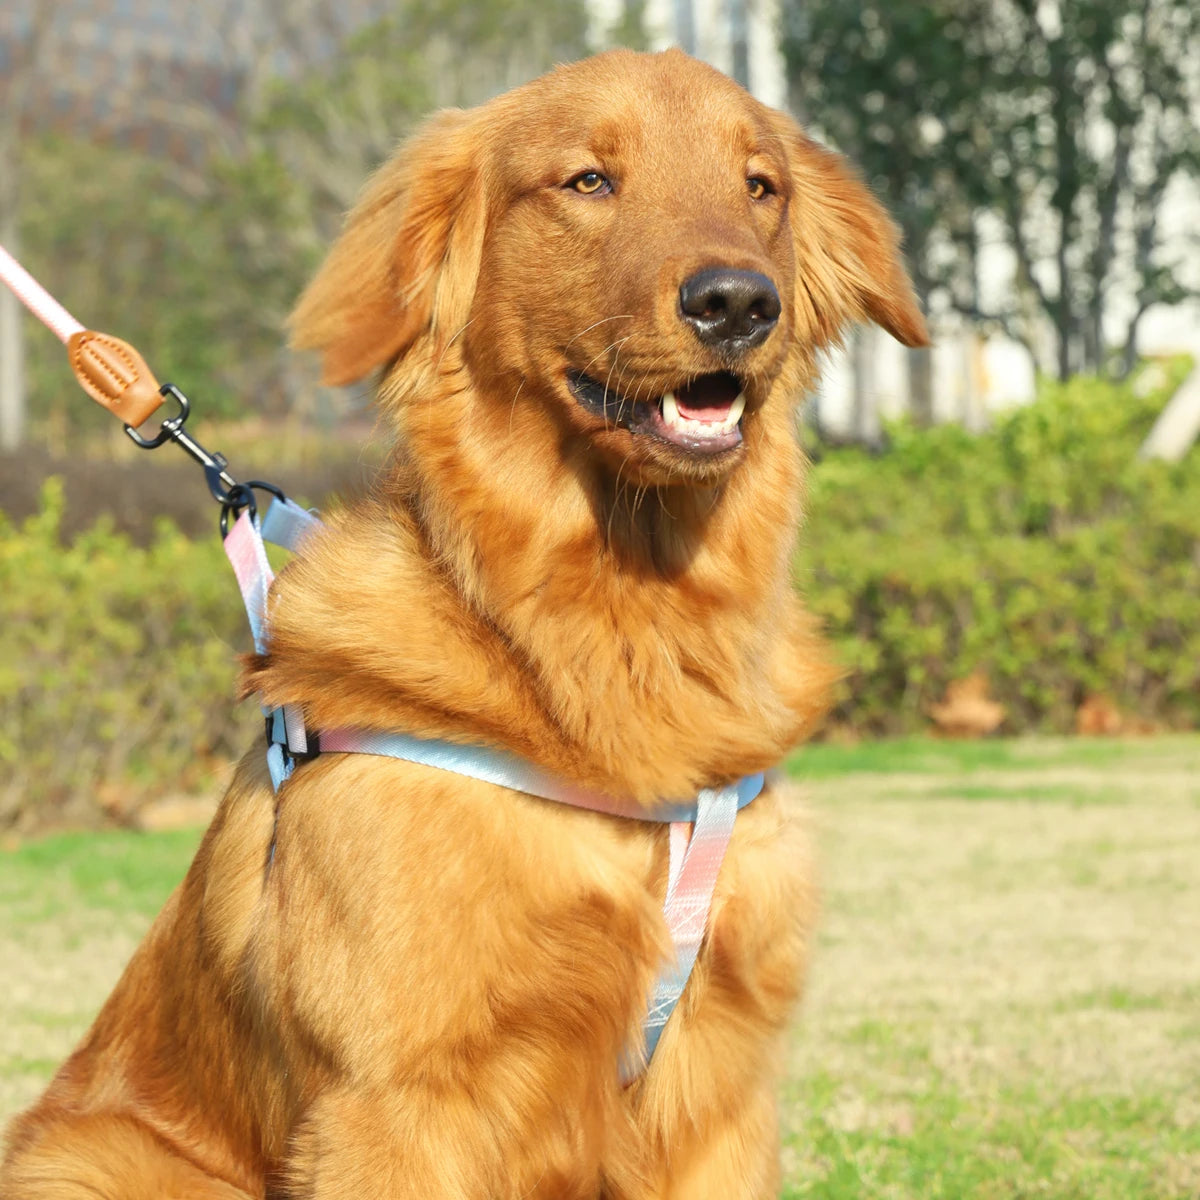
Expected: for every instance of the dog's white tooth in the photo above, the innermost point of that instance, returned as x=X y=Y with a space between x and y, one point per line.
x=735 y=410
x=670 y=408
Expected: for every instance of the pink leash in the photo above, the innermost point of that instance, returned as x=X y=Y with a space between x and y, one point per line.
x=37 y=299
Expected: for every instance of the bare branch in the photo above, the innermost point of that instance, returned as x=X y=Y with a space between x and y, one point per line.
x=1009 y=323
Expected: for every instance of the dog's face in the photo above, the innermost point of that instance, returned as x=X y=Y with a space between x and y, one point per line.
x=631 y=243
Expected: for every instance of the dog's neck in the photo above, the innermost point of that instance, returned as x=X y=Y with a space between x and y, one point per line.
x=646 y=642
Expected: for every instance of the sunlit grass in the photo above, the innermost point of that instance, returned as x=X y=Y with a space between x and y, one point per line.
x=120 y=872
x=824 y=760
x=1004 y=1000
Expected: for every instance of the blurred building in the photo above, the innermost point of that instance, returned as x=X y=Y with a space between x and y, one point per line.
x=168 y=75
x=739 y=37
x=124 y=69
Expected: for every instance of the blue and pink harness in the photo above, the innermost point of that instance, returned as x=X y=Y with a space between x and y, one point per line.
x=700 y=829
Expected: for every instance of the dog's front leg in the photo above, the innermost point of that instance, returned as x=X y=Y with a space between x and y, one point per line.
x=453 y=978
x=417 y=1141
x=736 y=1159
x=522 y=1113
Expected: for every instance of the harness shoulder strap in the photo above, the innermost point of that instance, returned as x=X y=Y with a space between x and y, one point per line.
x=286 y=525
x=700 y=829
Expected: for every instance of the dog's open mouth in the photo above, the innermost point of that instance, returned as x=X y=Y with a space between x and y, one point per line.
x=702 y=416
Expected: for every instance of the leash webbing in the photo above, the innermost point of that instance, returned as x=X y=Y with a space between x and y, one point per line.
x=37 y=299
x=248 y=556
x=696 y=857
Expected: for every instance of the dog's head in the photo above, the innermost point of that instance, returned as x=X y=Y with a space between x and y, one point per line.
x=631 y=245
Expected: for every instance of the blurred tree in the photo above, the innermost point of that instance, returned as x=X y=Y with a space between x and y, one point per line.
x=127 y=240
x=320 y=134
x=198 y=262
x=27 y=51
x=126 y=248
x=1065 y=121
x=1091 y=115
x=629 y=29
x=343 y=117
x=894 y=87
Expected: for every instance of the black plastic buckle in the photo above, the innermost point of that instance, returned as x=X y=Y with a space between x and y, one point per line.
x=312 y=740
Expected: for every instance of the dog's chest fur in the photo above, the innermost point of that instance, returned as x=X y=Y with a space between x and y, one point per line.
x=462 y=928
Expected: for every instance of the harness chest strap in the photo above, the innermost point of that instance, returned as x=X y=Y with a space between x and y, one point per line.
x=700 y=829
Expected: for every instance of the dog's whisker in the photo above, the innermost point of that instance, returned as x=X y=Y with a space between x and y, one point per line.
x=615 y=347
x=662 y=504
x=612 y=347
x=612 y=366
x=619 y=491
x=602 y=321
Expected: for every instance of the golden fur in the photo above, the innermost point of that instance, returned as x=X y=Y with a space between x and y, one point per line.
x=426 y=990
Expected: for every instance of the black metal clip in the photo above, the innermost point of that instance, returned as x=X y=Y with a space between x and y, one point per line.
x=233 y=497
x=240 y=497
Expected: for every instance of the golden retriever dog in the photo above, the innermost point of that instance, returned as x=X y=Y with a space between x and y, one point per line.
x=592 y=304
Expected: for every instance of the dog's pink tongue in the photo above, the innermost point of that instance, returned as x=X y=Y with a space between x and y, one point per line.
x=707 y=398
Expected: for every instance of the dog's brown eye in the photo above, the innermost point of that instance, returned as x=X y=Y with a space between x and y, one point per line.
x=589 y=183
x=757 y=187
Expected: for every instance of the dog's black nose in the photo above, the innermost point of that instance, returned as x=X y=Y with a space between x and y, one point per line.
x=728 y=309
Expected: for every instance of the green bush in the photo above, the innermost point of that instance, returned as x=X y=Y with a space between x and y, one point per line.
x=1044 y=554
x=117 y=667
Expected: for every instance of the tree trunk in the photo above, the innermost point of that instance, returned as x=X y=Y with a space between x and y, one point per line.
x=920 y=386
x=739 y=38
x=866 y=424
x=632 y=28
x=685 y=26
x=1094 y=352
x=12 y=351
x=1064 y=109
x=1129 y=355
x=1063 y=323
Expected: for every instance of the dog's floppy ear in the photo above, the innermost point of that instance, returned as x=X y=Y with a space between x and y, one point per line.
x=407 y=260
x=847 y=247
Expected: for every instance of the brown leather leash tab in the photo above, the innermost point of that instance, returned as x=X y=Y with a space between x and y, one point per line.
x=115 y=375
x=110 y=370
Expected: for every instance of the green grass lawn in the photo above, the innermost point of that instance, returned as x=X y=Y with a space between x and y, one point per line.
x=1005 y=994
x=1004 y=998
